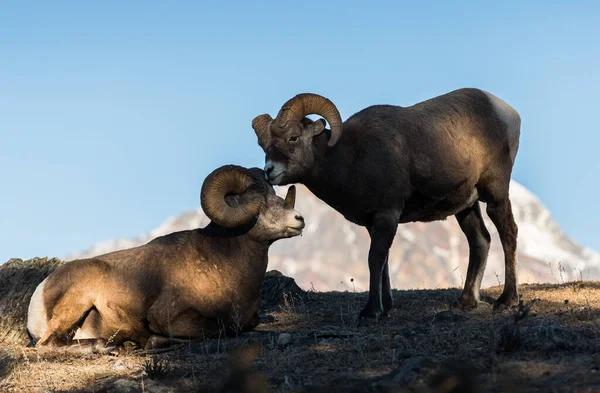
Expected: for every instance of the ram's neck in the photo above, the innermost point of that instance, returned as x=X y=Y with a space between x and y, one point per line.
x=237 y=252
x=215 y=230
x=253 y=259
x=328 y=180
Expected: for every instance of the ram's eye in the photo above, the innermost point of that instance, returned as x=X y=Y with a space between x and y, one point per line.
x=294 y=139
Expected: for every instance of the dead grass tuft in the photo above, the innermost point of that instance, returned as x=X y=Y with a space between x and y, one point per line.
x=8 y=360
x=156 y=368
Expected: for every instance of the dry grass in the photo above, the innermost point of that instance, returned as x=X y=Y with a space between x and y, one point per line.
x=546 y=345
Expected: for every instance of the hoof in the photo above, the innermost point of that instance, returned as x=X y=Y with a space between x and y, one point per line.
x=388 y=306
x=367 y=322
x=500 y=308
x=43 y=341
x=156 y=342
x=506 y=301
x=470 y=306
x=467 y=301
x=369 y=317
x=102 y=347
x=387 y=310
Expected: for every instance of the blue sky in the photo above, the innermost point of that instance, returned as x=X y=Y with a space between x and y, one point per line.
x=113 y=113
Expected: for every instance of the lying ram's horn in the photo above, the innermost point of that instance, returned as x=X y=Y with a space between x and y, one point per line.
x=307 y=103
x=229 y=179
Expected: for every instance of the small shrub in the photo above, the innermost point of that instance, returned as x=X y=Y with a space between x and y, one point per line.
x=156 y=368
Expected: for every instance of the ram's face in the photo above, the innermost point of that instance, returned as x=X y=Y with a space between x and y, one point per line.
x=289 y=151
x=237 y=197
x=277 y=218
x=288 y=140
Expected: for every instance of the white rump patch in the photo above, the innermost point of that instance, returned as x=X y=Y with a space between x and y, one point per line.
x=37 y=322
x=511 y=118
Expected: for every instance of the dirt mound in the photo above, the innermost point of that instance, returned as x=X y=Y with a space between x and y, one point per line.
x=278 y=289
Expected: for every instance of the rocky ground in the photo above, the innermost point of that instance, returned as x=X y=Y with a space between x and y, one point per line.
x=309 y=341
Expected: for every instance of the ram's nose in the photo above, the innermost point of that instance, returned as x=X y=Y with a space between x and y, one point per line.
x=300 y=219
x=273 y=172
x=269 y=168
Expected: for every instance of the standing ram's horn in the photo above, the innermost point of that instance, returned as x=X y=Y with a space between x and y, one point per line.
x=290 y=197
x=261 y=124
x=308 y=103
x=229 y=179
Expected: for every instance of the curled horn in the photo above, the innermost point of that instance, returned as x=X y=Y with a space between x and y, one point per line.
x=290 y=197
x=308 y=103
x=229 y=179
x=261 y=124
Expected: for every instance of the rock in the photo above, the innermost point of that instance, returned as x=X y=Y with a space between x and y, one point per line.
x=275 y=288
x=18 y=280
x=284 y=339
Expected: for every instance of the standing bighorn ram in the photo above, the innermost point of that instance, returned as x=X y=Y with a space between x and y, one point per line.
x=185 y=285
x=388 y=164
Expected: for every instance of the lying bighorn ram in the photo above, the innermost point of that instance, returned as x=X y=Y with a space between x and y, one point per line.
x=185 y=285
x=394 y=165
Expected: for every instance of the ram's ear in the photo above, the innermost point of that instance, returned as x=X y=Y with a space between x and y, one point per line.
x=290 y=197
x=315 y=128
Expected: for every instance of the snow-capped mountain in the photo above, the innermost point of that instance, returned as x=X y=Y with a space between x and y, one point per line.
x=333 y=251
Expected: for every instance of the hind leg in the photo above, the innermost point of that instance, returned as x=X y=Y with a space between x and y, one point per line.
x=472 y=225
x=500 y=212
x=67 y=313
x=187 y=330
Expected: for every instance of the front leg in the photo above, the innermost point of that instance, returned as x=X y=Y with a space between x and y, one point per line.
x=382 y=230
x=386 y=293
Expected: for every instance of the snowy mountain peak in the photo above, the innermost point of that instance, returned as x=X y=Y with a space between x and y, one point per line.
x=332 y=251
